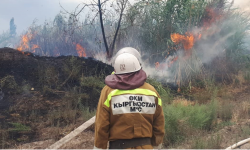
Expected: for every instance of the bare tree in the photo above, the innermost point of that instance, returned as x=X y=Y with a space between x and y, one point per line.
x=104 y=9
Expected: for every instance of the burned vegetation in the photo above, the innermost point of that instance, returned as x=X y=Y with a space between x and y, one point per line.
x=41 y=92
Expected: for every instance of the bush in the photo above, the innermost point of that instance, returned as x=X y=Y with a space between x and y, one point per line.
x=18 y=127
x=179 y=117
x=8 y=84
x=226 y=111
x=165 y=93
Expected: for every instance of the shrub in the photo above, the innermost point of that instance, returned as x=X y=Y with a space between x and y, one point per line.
x=189 y=117
x=164 y=92
x=18 y=127
x=226 y=111
x=8 y=83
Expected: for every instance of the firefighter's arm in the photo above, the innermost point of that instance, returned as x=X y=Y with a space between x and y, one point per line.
x=102 y=123
x=158 y=126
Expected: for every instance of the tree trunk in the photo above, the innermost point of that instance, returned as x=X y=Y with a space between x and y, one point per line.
x=102 y=27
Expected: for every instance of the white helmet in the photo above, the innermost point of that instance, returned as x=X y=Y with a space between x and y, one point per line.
x=126 y=63
x=129 y=50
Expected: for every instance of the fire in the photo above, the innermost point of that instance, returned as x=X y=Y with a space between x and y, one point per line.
x=80 y=50
x=160 y=66
x=187 y=40
x=24 y=43
x=28 y=39
x=168 y=63
x=34 y=47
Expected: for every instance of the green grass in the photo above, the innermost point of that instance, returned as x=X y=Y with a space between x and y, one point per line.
x=245 y=131
x=165 y=92
x=181 y=120
x=18 y=127
x=226 y=111
x=223 y=124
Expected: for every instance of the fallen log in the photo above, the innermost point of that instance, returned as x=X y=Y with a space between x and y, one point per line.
x=72 y=134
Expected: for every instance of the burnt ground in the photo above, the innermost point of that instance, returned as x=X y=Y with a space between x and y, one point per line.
x=39 y=95
x=54 y=73
x=28 y=67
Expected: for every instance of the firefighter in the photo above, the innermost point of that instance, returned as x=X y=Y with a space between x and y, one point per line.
x=129 y=113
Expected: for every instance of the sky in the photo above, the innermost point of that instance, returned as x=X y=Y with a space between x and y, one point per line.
x=26 y=11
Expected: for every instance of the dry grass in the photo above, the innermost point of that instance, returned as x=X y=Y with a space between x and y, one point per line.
x=202 y=97
x=212 y=142
x=225 y=110
x=182 y=101
x=36 y=145
x=239 y=79
x=241 y=111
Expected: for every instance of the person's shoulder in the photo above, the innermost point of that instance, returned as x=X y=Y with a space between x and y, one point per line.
x=107 y=89
x=151 y=88
x=148 y=86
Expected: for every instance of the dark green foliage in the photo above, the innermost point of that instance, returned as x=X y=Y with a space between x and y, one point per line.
x=9 y=85
x=159 y=19
x=17 y=127
x=181 y=120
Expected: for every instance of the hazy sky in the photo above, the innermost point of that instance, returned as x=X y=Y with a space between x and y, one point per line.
x=25 y=11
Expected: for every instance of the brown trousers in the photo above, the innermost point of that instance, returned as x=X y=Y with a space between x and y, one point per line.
x=142 y=147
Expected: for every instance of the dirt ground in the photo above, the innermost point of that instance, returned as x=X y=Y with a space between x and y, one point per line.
x=86 y=140
x=83 y=141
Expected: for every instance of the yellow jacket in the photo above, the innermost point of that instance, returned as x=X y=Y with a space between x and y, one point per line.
x=128 y=114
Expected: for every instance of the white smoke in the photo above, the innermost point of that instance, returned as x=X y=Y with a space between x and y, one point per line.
x=242 y=5
x=211 y=45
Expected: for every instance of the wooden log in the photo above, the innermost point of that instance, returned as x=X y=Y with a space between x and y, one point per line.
x=238 y=144
x=72 y=134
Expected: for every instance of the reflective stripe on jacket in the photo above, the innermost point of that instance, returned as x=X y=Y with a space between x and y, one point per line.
x=128 y=114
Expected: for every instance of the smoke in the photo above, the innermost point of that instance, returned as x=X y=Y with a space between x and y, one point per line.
x=243 y=5
x=213 y=43
x=226 y=35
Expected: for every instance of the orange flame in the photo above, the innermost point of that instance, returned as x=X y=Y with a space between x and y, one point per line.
x=187 y=41
x=24 y=43
x=80 y=51
x=34 y=47
x=160 y=66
